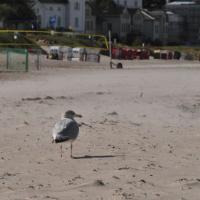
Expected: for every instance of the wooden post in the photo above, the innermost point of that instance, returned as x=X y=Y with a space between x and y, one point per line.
x=110 y=48
x=7 y=59
x=27 y=64
x=38 y=59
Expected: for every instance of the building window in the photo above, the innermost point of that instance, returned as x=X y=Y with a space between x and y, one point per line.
x=157 y=29
x=39 y=21
x=87 y=12
x=122 y=27
x=76 y=6
x=138 y=18
x=89 y=26
x=51 y=8
x=59 y=8
x=76 y=22
x=125 y=28
x=109 y=27
x=125 y=3
x=59 y=21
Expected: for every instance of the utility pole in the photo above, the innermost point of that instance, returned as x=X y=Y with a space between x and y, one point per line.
x=110 y=47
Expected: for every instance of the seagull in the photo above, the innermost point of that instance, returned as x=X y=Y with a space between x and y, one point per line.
x=67 y=129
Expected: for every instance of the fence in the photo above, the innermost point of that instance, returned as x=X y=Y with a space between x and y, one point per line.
x=14 y=59
x=34 y=59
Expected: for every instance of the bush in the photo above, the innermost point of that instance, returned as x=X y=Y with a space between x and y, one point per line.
x=189 y=56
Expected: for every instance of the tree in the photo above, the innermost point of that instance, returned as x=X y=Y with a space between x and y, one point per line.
x=153 y=4
x=14 y=12
x=5 y=11
x=100 y=7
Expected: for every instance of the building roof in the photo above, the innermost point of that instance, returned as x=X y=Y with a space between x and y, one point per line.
x=181 y=2
x=118 y=10
x=54 y=1
x=147 y=15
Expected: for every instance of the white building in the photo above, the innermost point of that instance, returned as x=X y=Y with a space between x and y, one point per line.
x=130 y=3
x=62 y=14
x=77 y=15
x=50 y=14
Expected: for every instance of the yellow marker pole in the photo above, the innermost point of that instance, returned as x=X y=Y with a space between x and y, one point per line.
x=110 y=48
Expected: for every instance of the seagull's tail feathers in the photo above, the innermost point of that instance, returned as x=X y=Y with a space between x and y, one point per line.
x=61 y=139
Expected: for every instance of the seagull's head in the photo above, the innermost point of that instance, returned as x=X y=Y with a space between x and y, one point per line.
x=71 y=114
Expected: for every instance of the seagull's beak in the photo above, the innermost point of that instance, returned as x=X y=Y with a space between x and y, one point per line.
x=77 y=115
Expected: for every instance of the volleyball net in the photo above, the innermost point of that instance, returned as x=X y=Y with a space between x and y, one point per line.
x=21 y=48
x=13 y=59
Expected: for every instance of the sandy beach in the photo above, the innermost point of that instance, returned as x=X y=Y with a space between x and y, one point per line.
x=140 y=140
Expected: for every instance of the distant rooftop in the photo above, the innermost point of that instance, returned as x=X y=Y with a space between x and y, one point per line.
x=54 y=1
x=181 y=2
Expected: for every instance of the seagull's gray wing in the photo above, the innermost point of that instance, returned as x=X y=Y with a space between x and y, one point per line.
x=65 y=129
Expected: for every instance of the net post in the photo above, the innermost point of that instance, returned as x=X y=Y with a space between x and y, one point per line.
x=110 y=47
x=27 y=64
x=7 y=58
x=37 y=60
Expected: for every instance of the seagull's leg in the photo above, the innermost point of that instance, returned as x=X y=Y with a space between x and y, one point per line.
x=61 y=150
x=71 y=150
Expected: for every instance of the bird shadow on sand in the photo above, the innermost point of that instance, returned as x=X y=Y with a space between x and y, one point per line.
x=96 y=156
